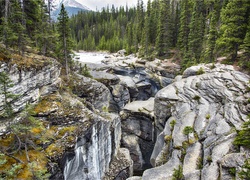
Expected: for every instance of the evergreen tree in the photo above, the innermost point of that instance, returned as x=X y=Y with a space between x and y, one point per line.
x=147 y=32
x=154 y=21
x=187 y=131
x=139 y=20
x=163 y=41
x=175 y=19
x=212 y=36
x=233 y=26
x=185 y=17
x=246 y=42
x=8 y=96
x=17 y=24
x=129 y=38
x=197 y=27
x=5 y=26
x=64 y=36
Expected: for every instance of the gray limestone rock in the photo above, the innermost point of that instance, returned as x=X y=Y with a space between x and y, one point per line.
x=137 y=132
x=133 y=90
x=213 y=103
x=164 y=172
x=94 y=151
x=94 y=92
x=29 y=83
x=192 y=160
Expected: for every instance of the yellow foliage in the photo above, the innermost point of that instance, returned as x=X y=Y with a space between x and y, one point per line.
x=6 y=140
x=54 y=149
x=36 y=130
x=48 y=103
x=38 y=161
x=69 y=130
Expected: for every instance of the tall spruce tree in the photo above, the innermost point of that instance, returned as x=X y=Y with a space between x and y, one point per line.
x=233 y=26
x=163 y=41
x=146 y=32
x=18 y=36
x=8 y=96
x=214 y=15
x=197 y=27
x=64 y=36
x=246 y=42
x=185 y=17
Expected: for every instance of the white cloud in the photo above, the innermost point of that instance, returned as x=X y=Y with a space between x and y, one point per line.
x=93 y=4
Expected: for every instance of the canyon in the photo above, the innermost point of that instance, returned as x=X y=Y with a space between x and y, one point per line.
x=129 y=117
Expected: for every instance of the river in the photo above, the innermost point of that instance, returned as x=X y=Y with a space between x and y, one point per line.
x=90 y=57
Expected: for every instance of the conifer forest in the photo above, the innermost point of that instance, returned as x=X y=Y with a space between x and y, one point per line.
x=196 y=30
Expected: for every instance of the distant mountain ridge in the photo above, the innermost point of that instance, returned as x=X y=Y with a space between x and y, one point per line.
x=71 y=6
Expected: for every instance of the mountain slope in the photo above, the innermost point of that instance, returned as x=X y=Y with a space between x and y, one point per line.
x=72 y=7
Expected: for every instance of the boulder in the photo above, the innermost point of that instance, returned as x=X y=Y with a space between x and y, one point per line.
x=133 y=90
x=93 y=91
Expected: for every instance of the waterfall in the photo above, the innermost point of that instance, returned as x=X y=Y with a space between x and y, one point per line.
x=92 y=154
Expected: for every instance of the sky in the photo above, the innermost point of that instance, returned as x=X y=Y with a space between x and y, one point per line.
x=93 y=4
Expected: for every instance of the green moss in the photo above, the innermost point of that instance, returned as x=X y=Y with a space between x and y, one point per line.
x=178 y=173
x=209 y=159
x=196 y=97
x=232 y=171
x=172 y=124
x=200 y=163
x=106 y=109
x=212 y=66
x=200 y=71
x=208 y=116
x=167 y=138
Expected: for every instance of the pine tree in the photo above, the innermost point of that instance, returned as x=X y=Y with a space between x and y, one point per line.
x=175 y=18
x=17 y=25
x=209 y=54
x=146 y=32
x=233 y=26
x=163 y=41
x=139 y=20
x=197 y=27
x=8 y=96
x=185 y=16
x=64 y=36
x=246 y=42
x=5 y=25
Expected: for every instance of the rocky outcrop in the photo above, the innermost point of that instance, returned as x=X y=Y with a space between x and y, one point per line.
x=96 y=93
x=89 y=147
x=29 y=83
x=94 y=150
x=212 y=100
x=138 y=132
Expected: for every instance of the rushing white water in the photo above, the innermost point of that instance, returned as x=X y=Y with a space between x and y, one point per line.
x=90 y=57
